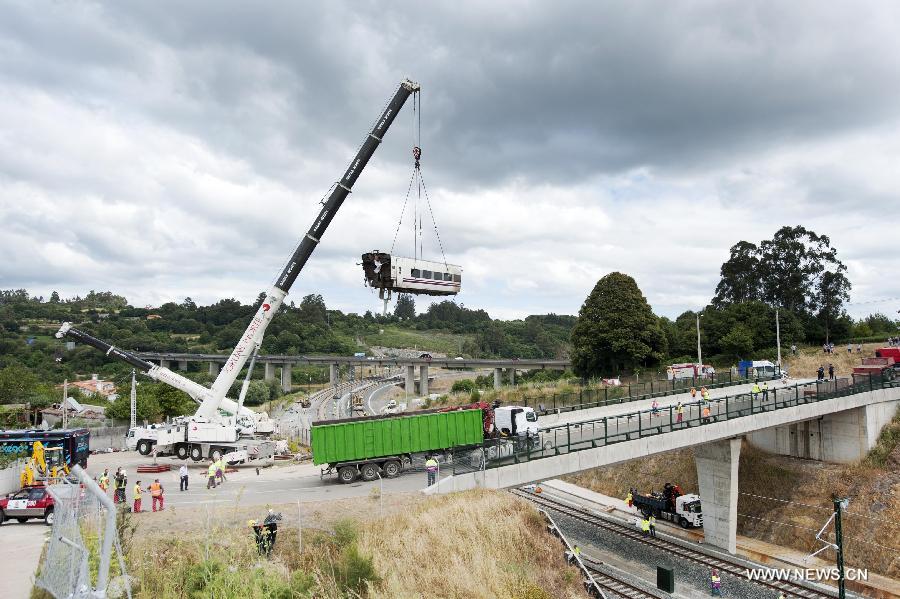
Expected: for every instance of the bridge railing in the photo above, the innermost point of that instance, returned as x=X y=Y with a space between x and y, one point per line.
x=609 y=430
x=597 y=397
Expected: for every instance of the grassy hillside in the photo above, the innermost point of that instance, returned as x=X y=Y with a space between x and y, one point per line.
x=447 y=546
x=404 y=338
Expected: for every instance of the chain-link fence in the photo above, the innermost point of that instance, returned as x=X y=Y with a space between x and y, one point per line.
x=83 y=538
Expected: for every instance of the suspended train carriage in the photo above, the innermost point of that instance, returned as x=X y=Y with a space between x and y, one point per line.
x=391 y=274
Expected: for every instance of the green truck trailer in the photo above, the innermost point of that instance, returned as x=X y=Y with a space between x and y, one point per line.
x=367 y=447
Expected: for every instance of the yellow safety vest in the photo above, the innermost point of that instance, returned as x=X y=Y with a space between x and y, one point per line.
x=645 y=525
x=211 y=471
x=679 y=409
x=137 y=491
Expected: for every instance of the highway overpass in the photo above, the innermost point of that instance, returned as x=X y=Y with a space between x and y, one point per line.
x=849 y=417
x=285 y=362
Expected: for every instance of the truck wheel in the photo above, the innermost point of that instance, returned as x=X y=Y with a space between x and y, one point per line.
x=48 y=516
x=682 y=522
x=22 y=520
x=215 y=453
x=196 y=453
x=347 y=474
x=2 y=517
x=391 y=469
x=144 y=447
x=369 y=472
x=182 y=452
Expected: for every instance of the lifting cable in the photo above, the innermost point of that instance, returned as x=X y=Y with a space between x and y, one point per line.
x=420 y=187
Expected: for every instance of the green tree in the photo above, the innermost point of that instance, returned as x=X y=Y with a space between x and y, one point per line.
x=616 y=330
x=406 y=307
x=17 y=383
x=739 y=276
x=257 y=393
x=54 y=298
x=738 y=343
x=313 y=310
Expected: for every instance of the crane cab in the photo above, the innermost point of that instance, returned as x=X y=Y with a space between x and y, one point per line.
x=409 y=275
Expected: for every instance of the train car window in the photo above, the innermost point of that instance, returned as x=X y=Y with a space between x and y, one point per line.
x=448 y=276
x=415 y=273
x=457 y=278
x=426 y=274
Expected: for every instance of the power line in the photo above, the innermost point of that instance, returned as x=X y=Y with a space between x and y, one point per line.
x=816 y=507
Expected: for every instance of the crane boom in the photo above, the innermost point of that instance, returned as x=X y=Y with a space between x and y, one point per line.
x=214 y=398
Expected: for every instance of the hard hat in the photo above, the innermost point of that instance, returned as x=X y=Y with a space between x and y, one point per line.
x=251 y=523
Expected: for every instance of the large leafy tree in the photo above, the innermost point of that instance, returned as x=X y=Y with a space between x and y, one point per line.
x=616 y=330
x=406 y=307
x=740 y=276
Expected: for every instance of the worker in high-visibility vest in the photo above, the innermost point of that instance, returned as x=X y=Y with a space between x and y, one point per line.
x=137 y=497
x=431 y=467
x=645 y=526
x=755 y=389
x=652 y=521
x=103 y=481
x=679 y=412
x=716 y=583
x=629 y=499
x=211 y=475
x=156 y=494
x=704 y=394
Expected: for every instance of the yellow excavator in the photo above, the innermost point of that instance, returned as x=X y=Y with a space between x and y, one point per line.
x=47 y=464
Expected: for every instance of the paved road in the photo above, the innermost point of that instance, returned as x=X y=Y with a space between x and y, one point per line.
x=24 y=543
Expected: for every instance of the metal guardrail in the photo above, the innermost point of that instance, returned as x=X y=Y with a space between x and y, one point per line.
x=608 y=430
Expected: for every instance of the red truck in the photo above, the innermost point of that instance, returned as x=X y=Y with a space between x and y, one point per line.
x=30 y=502
x=889 y=352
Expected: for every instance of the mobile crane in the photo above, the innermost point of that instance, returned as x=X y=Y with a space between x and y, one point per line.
x=206 y=433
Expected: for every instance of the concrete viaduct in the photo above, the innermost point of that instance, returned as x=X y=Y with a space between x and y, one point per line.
x=270 y=363
x=841 y=422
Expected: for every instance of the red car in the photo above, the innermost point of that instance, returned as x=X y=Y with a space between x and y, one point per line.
x=30 y=502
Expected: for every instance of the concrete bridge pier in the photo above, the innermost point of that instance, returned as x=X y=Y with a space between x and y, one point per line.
x=333 y=375
x=498 y=378
x=164 y=363
x=717 y=477
x=182 y=365
x=286 y=377
x=213 y=369
x=411 y=380
x=423 y=380
x=268 y=372
x=512 y=376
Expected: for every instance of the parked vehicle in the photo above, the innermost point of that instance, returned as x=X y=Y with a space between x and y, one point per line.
x=74 y=443
x=671 y=505
x=375 y=446
x=30 y=502
x=763 y=369
x=689 y=371
x=889 y=352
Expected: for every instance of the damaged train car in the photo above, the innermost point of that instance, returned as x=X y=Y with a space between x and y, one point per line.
x=389 y=274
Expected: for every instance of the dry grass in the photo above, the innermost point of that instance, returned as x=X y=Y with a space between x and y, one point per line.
x=804 y=364
x=475 y=544
x=871 y=529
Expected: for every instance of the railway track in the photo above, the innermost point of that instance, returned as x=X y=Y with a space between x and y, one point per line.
x=614 y=587
x=724 y=565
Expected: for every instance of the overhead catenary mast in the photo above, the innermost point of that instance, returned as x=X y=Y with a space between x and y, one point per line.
x=212 y=399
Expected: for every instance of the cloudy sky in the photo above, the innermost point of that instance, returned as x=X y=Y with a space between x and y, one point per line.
x=171 y=149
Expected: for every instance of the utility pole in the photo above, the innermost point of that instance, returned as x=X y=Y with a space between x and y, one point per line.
x=65 y=404
x=699 y=353
x=839 y=504
x=133 y=399
x=778 y=337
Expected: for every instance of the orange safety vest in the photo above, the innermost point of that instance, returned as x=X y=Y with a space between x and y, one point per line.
x=155 y=489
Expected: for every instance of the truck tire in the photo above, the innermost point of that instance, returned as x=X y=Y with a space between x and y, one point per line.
x=181 y=451
x=682 y=522
x=2 y=517
x=215 y=453
x=196 y=453
x=391 y=469
x=347 y=474
x=21 y=520
x=144 y=447
x=369 y=472
x=48 y=516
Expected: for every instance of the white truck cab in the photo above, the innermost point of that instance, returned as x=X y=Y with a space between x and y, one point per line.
x=688 y=508
x=516 y=421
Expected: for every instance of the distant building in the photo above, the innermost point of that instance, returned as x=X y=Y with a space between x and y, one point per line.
x=153 y=316
x=82 y=411
x=95 y=386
